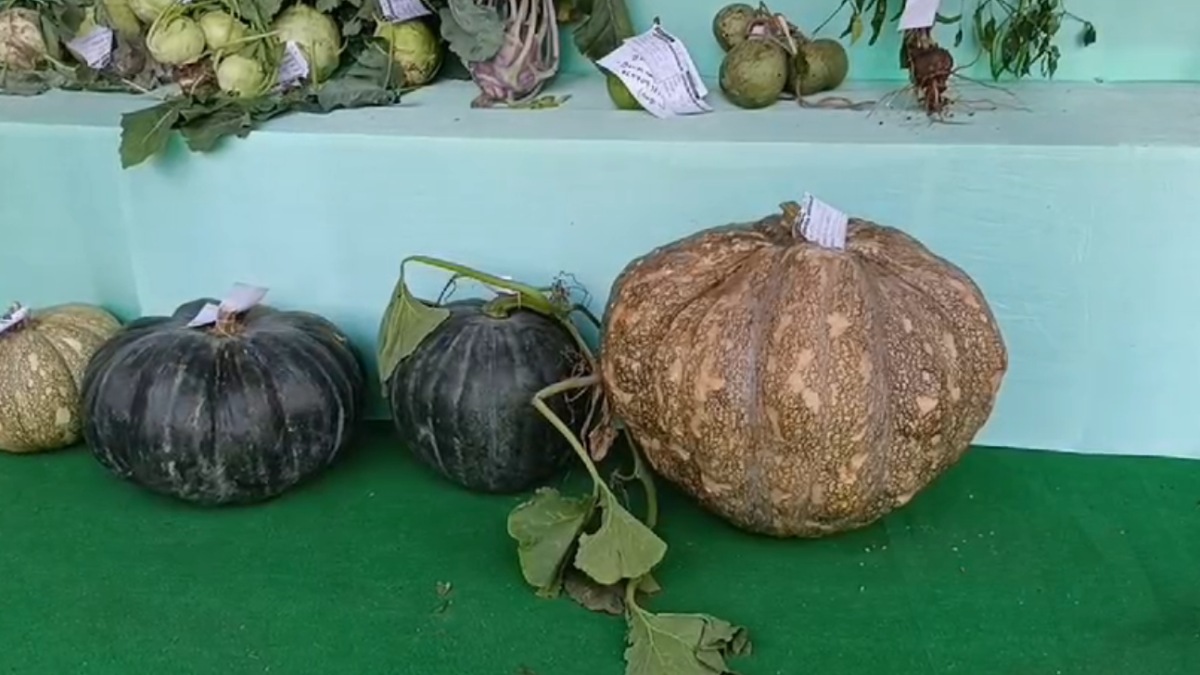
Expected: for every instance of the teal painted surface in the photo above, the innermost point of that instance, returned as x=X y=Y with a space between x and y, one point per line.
x=1152 y=40
x=1078 y=226
x=62 y=229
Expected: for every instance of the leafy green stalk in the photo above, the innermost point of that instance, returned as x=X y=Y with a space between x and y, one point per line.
x=1015 y=35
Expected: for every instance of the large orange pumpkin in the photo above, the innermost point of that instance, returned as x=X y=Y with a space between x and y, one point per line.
x=797 y=390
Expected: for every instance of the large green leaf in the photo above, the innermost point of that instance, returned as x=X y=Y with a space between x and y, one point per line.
x=606 y=24
x=405 y=324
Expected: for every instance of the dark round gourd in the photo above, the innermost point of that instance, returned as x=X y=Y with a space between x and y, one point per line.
x=463 y=400
x=235 y=412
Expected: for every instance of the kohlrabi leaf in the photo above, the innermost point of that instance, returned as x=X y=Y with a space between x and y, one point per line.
x=258 y=13
x=605 y=25
x=145 y=132
x=474 y=32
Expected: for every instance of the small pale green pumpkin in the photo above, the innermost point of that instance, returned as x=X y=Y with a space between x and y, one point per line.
x=42 y=360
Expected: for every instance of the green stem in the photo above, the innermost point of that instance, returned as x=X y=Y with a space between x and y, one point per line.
x=631 y=589
x=643 y=475
x=530 y=296
x=539 y=402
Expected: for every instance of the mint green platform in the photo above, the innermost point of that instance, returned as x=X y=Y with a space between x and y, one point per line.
x=1077 y=217
x=1014 y=563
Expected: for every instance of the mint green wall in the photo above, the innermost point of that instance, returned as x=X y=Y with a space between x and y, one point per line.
x=62 y=228
x=1150 y=40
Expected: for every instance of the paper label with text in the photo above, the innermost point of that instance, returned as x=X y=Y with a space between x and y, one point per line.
x=95 y=49
x=397 y=11
x=12 y=318
x=919 y=14
x=239 y=299
x=822 y=224
x=293 y=67
x=659 y=72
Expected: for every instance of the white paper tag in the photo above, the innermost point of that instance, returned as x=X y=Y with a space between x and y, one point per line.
x=397 y=11
x=12 y=318
x=659 y=72
x=919 y=14
x=293 y=67
x=95 y=49
x=822 y=224
x=239 y=299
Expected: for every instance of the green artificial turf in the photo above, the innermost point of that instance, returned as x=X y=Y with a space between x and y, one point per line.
x=1015 y=562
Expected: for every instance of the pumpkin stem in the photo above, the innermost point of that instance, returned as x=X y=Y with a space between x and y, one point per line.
x=227 y=324
x=18 y=315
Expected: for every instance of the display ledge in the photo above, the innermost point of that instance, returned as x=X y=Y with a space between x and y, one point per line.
x=1031 y=114
x=1012 y=562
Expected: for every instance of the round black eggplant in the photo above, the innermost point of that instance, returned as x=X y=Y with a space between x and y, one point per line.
x=222 y=417
x=462 y=402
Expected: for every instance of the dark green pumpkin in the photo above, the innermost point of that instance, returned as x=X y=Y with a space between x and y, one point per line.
x=462 y=402
x=218 y=416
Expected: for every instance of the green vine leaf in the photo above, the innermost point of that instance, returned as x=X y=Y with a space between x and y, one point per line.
x=406 y=322
x=601 y=598
x=682 y=644
x=605 y=25
x=474 y=32
x=622 y=548
x=546 y=529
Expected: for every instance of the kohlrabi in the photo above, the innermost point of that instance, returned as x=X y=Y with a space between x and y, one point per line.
x=149 y=10
x=222 y=31
x=317 y=35
x=241 y=75
x=529 y=56
x=22 y=45
x=122 y=18
x=415 y=49
x=176 y=41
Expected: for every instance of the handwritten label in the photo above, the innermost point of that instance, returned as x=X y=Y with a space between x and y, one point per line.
x=398 y=11
x=659 y=72
x=822 y=224
x=239 y=299
x=13 y=318
x=919 y=14
x=293 y=67
x=95 y=49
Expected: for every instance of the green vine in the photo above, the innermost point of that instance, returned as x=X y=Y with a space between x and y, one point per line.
x=1015 y=35
x=590 y=547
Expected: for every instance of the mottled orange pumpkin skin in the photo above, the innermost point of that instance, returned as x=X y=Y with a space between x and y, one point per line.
x=794 y=390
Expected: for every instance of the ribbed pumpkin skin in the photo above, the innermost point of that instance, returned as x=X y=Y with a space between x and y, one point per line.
x=462 y=402
x=222 y=419
x=41 y=367
x=796 y=390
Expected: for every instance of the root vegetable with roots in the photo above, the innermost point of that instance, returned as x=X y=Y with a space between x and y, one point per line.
x=527 y=59
x=929 y=68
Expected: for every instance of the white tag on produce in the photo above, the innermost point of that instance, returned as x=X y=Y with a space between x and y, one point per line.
x=919 y=14
x=95 y=49
x=239 y=299
x=397 y=11
x=293 y=67
x=10 y=319
x=822 y=224
x=659 y=72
